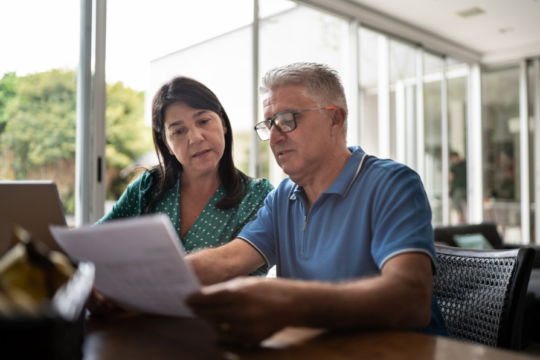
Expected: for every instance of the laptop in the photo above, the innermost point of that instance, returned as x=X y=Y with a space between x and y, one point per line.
x=34 y=205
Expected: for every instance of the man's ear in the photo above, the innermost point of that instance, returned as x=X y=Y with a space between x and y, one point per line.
x=338 y=120
x=167 y=145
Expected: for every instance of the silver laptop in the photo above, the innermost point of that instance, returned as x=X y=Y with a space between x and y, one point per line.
x=34 y=205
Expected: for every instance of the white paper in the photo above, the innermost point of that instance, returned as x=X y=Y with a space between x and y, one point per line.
x=139 y=262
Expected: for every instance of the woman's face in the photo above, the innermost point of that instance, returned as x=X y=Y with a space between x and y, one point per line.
x=195 y=137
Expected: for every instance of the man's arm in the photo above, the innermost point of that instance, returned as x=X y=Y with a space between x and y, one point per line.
x=254 y=309
x=399 y=298
x=225 y=262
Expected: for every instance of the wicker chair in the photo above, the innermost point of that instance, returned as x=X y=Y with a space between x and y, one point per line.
x=481 y=293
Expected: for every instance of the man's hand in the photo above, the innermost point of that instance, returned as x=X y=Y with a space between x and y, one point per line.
x=100 y=306
x=248 y=310
x=245 y=310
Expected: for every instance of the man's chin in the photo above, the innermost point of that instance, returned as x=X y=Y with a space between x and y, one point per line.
x=289 y=170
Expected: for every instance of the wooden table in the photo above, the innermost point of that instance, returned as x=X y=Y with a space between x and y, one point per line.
x=154 y=337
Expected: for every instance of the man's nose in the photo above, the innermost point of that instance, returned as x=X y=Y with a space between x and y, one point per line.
x=276 y=136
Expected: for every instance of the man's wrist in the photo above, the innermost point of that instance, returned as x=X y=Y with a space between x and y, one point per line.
x=299 y=302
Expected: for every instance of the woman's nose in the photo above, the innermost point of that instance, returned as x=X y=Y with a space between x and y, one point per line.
x=196 y=136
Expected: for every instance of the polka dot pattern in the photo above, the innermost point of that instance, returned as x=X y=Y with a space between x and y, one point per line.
x=212 y=228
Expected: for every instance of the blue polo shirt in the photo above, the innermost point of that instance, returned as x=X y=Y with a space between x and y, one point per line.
x=375 y=209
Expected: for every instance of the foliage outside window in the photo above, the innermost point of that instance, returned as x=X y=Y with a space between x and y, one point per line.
x=37 y=130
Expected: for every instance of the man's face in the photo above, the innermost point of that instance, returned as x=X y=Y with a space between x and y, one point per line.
x=303 y=151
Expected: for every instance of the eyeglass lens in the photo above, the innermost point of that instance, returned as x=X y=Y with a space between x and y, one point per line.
x=284 y=123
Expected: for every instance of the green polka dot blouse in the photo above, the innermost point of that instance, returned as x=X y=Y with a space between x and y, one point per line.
x=212 y=228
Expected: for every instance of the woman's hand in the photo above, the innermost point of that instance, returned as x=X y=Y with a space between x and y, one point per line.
x=100 y=306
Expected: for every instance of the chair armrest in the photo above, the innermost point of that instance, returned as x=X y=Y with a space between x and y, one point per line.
x=536 y=248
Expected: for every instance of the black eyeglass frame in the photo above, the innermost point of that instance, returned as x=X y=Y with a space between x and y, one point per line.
x=293 y=113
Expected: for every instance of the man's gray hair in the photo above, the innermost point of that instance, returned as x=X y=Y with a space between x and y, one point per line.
x=321 y=82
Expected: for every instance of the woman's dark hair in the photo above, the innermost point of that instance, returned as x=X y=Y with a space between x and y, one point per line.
x=196 y=95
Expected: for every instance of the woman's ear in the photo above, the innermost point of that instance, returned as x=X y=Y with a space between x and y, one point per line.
x=223 y=124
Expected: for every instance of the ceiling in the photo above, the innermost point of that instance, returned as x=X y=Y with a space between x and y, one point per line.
x=507 y=29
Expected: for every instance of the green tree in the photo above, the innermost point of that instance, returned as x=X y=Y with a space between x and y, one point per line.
x=7 y=92
x=127 y=137
x=38 y=121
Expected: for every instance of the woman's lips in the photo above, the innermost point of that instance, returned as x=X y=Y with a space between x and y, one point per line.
x=201 y=153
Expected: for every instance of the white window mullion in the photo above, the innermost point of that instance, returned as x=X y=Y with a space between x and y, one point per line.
x=420 y=143
x=383 y=96
x=353 y=86
x=524 y=152
x=254 y=154
x=401 y=151
x=83 y=159
x=537 y=148
x=100 y=103
x=410 y=125
x=445 y=146
x=475 y=204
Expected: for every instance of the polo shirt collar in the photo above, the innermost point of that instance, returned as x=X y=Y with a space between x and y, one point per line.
x=346 y=178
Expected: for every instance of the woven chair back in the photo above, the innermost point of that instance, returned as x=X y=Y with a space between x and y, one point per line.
x=480 y=293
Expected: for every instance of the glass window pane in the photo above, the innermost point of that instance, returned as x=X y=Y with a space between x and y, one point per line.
x=369 y=90
x=433 y=134
x=38 y=84
x=500 y=112
x=402 y=102
x=311 y=36
x=457 y=141
x=164 y=39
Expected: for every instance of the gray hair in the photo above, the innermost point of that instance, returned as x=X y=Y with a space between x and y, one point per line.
x=322 y=84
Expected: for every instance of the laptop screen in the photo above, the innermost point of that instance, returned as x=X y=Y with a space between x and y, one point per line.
x=34 y=205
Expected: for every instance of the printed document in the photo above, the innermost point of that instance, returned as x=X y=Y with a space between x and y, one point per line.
x=139 y=262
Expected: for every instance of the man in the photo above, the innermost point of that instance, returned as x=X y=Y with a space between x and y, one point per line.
x=351 y=234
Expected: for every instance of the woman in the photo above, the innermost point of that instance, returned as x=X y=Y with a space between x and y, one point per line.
x=196 y=183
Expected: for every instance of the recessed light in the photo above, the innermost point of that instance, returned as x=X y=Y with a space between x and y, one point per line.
x=470 y=12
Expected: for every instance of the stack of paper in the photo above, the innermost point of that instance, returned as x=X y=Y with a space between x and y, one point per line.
x=139 y=262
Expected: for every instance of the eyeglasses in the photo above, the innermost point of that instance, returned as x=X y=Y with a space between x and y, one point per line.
x=284 y=121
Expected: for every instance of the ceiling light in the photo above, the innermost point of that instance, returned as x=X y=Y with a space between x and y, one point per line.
x=506 y=30
x=470 y=12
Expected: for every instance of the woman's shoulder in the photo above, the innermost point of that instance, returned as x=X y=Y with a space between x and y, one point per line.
x=145 y=182
x=260 y=184
x=258 y=189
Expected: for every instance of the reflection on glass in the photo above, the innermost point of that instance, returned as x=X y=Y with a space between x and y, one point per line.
x=433 y=134
x=311 y=36
x=457 y=141
x=500 y=101
x=402 y=102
